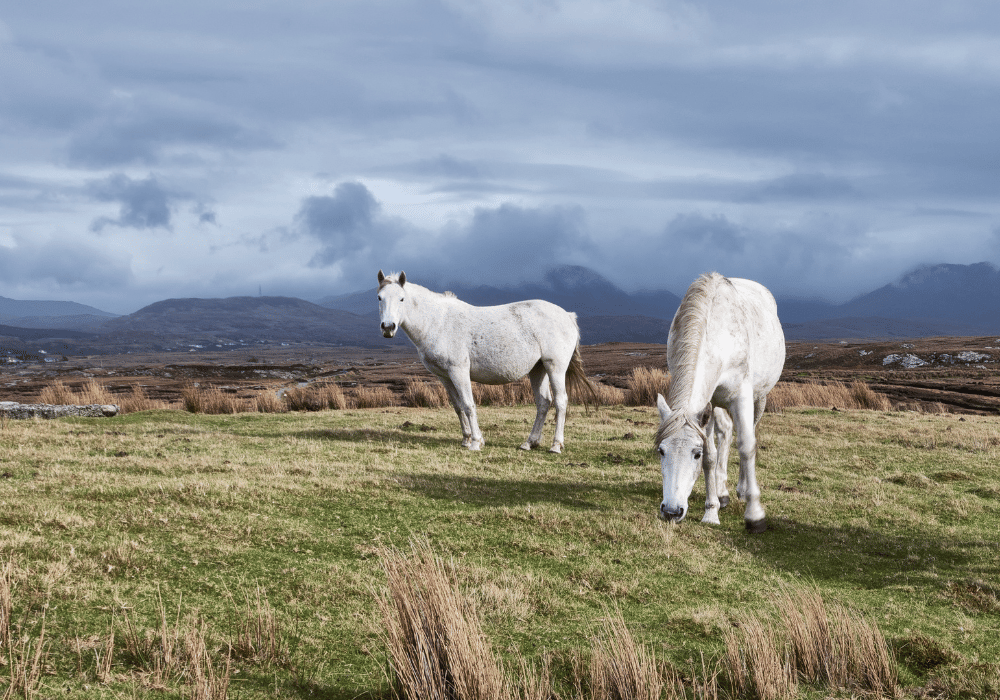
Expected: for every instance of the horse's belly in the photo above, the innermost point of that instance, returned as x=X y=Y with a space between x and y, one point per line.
x=500 y=368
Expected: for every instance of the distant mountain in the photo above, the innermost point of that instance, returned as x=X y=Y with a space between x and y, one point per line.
x=963 y=294
x=50 y=314
x=575 y=288
x=242 y=319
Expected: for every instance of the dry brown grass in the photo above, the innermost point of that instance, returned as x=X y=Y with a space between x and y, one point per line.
x=319 y=397
x=826 y=394
x=513 y=394
x=59 y=394
x=814 y=643
x=26 y=650
x=644 y=384
x=259 y=637
x=373 y=397
x=437 y=649
x=421 y=394
x=268 y=402
x=621 y=669
x=211 y=400
x=137 y=400
x=755 y=662
x=434 y=640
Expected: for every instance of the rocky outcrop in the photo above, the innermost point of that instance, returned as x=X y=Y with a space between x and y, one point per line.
x=12 y=409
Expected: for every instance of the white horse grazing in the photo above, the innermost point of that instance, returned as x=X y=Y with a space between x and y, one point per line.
x=461 y=343
x=725 y=348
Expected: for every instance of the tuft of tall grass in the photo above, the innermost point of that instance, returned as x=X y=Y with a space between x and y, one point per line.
x=210 y=400
x=259 y=637
x=59 y=394
x=267 y=402
x=622 y=669
x=27 y=652
x=435 y=644
x=138 y=400
x=826 y=394
x=421 y=394
x=373 y=397
x=318 y=397
x=644 y=384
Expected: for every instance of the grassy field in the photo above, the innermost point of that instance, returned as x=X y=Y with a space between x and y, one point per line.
x=139 y=553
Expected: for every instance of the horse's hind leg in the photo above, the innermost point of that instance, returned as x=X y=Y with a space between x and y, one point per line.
x=745 y=410
x=557 y=383
x=543 y=399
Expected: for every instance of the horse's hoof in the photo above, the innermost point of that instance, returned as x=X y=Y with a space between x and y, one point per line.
x=755 y=527
x=711 y=518
x=556 y=448
x=526 y=446
x=724 y=501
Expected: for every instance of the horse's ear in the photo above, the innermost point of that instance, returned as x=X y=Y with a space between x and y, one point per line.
x=381 y=277
x=705 y=416
x=402 y=278
x=663 y=407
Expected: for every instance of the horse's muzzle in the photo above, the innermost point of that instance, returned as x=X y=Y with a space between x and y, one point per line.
x=671 y=515
x=388 y=329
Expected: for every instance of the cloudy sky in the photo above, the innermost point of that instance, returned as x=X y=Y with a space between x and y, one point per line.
x=219 y=148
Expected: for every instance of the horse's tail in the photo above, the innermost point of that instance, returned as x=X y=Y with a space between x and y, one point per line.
x=578 y=384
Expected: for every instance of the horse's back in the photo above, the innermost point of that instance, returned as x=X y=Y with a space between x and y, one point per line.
x=505 y=342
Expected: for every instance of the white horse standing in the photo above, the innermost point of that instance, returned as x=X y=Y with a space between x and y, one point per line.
x=725 y=348
x=461 y=343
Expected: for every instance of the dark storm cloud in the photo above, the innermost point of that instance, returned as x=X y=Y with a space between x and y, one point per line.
x=345 y=223
x=145 y=204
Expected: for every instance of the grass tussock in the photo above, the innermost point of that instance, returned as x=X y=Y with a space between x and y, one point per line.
x=24 y=646
x=319 y=397
x=513 y=394
x=815 y=643
x=826 y=394
x=373 y=397
x=437 y=649
x=622 y=669
x=137 y=400
x=259 y=637
x=58 y=393
x=268 y=402
x=211 y=400
x=644 y=384
x=421 y=394
x=435 y=644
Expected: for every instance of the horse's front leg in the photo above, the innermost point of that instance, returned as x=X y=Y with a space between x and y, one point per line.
x=723 y=441
x=463 y=419
x=746 y=443
x=466 y=404
x=711 y=483
x=543 y=399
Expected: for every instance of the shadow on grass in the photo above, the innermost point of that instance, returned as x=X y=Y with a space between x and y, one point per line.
x=924 y=558
x=402 y=436
x=486 y=492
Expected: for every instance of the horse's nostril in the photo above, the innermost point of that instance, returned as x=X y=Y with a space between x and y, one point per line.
x=671 y=513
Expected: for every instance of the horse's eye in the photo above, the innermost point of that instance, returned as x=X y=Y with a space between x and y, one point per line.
x=401 y=298
x=663 y=453
x=697 y=454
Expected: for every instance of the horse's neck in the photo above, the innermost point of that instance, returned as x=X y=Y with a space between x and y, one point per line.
x=424 y=315
x=692 y=382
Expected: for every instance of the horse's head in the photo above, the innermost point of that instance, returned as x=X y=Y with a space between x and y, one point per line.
x=680 y=442
x=391 y=298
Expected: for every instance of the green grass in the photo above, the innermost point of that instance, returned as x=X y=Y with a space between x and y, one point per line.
x=892 y=514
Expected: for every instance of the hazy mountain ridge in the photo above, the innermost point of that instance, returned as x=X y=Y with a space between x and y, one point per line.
x=936 y=300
